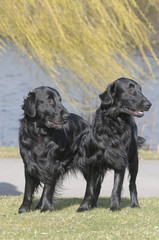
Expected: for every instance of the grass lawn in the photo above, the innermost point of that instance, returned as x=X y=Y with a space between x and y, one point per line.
x=66 y=224
x=13 y=152
x=149 y=155
x=9 y=152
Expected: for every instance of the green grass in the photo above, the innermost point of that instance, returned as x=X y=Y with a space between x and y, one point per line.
x=13 y=152
x=66 y=224
x=149 y=155
x=9 y=152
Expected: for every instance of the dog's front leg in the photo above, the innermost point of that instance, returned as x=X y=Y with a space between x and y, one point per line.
x=30 y=185
x=133 y=170
x=116 y=193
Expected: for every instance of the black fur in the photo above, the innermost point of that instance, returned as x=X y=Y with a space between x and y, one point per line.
x=46 y=136
x=112 y=142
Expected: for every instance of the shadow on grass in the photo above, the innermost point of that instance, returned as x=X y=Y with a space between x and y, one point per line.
x=62 y=203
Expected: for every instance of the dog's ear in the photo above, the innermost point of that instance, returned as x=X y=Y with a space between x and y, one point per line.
x=107 y=97
x=29 y=105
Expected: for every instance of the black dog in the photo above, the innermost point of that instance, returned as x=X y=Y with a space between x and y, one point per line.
x=111 y=143
x=46 y=135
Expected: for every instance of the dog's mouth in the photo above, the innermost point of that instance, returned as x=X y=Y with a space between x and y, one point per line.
x=56 y=125
x=137 y=113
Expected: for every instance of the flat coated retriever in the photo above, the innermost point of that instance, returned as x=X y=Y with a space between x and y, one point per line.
x=111 y=143
x=46 y=136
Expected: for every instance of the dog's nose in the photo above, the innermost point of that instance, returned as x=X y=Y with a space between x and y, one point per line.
x=66 y=116
x=147 y=105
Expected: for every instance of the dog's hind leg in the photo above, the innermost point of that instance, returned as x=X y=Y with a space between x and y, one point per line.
x=96 y=193
x=97 y=187
x=87 y=202
x=116 y=193
x=30 y=184
x=45 y=203
x=46 y=200
x=93 y=187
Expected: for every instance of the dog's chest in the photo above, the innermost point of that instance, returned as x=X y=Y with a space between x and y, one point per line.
x=114 y=134
x=113 y=143
x=48 y=147
x=39 y=147
x=120 y=137
x=116 y=142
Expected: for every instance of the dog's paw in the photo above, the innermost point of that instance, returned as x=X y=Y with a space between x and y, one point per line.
x=115 y=207
x=83 y=208
x=23 y=209
x=135 y=205
x=46 y=207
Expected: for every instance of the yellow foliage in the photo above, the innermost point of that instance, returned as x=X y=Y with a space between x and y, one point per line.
x=82 y=44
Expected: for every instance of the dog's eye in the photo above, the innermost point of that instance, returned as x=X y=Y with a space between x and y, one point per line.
x=131 y=88
x=50 y=100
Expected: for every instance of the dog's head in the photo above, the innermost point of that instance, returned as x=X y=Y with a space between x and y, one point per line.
x=125 y=96
x=43 y=104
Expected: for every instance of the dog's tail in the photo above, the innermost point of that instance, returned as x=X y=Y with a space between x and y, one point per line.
x=140 y=141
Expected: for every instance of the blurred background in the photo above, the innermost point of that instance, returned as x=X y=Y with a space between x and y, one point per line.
x=77 y=47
